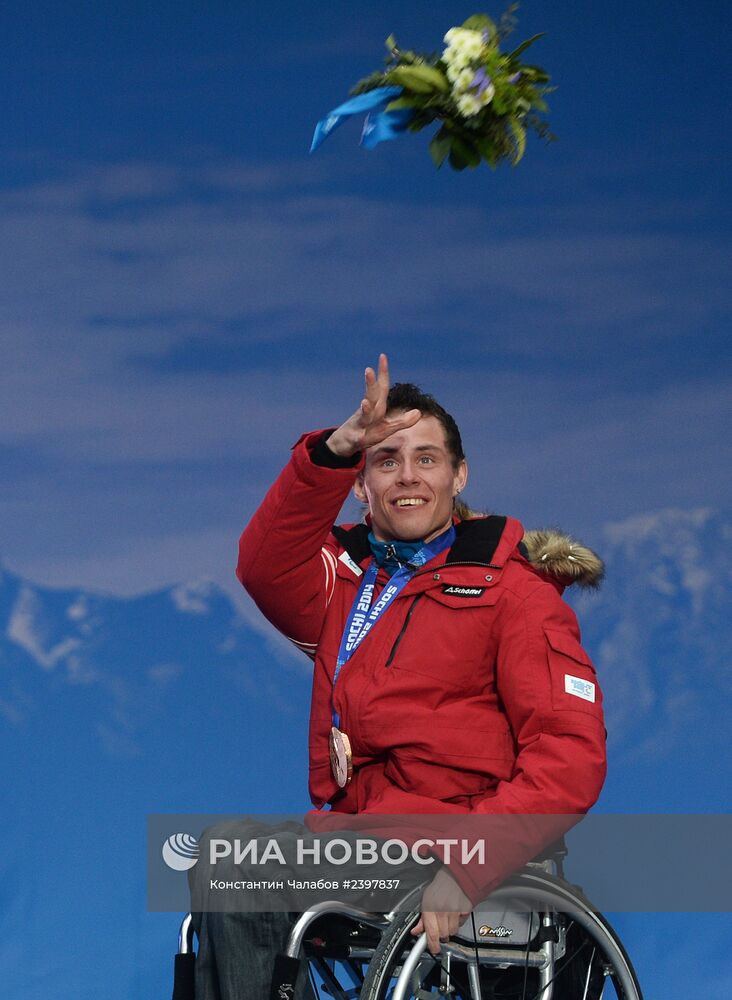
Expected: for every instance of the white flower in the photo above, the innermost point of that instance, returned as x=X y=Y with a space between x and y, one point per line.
x=472 y=44
x=462 y=46
x=460 y=36
x=455 y=57
x=468 y=105
x=487 y=96
x=462 y=80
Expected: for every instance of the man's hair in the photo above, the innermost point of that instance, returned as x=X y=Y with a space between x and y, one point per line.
x=405 y=396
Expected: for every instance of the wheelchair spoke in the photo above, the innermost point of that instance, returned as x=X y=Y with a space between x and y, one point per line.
x=561 y=950
x=572 y=952
x=589 y=973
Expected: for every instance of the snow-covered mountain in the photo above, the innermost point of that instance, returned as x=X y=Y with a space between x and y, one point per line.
x=173 y=701
x=147 y=672
x=660 y=632
x=111 y=710
x=138 y=664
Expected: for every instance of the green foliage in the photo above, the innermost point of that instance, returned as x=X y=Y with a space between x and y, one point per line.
x=480 y=22
x=498 y=131
x=508 y=21
x=418 y=78
x=440 y=146
x=402 y=102
x=524 y=46
x=488 y=150
x=370 y=82
x=519 y=134
x=463 y=153
x=535 y=73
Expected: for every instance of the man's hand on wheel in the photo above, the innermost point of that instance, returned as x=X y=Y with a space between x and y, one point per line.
x=370 y=425
x=440 y=924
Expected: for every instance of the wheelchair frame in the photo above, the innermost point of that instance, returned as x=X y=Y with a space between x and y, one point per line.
x=400 y=962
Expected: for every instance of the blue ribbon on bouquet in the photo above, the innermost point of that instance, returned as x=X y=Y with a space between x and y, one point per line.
x=379 y=125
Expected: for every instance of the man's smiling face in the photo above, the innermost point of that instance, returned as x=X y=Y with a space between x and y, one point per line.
x=409 y=482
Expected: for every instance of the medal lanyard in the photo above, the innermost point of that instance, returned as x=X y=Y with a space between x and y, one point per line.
x=363 y=616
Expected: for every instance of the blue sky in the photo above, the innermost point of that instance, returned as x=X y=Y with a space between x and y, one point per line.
x=185 y=290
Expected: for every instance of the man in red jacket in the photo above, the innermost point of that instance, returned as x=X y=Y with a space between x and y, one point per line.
x=473 y=694
x=448 y=672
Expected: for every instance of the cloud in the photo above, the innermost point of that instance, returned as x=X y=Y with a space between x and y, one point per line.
x=169 y=330
x=162 y=497
x=675 y=535
x=659 y=630
x=14 y=711
x=165 y=253
x=163 y=674
x=116 y=742
x=130 y=562
x=27 y=629
x=192 y=598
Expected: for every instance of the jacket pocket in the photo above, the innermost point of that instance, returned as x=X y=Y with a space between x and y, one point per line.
x=446 y=646
x=452 y=765
x=464 y=596
x=573 y=678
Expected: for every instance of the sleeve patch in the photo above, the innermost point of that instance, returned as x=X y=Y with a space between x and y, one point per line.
x=579 y=687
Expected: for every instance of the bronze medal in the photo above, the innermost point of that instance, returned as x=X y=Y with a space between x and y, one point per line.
x=340 y=757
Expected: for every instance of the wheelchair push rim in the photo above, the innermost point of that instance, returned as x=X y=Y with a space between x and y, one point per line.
x=399 y=957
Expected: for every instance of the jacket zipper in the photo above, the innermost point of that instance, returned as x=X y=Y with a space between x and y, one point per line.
x=467 y=562
x=398 y=639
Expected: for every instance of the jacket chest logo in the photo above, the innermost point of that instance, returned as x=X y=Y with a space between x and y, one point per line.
x=457 y=591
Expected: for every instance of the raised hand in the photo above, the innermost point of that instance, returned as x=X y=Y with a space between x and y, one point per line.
x=370 y=425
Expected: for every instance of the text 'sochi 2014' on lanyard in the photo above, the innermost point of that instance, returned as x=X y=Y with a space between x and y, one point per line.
x=361 y=619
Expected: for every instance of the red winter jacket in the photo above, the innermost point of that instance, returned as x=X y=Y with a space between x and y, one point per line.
x=472 y=694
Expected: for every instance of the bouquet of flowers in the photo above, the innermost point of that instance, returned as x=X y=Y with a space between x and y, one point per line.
x=484 y=99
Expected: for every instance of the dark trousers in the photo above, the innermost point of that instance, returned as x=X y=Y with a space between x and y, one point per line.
x=237 y=947
x=236 y=955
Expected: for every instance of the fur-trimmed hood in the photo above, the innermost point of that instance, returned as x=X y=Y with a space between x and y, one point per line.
x=553 y=553
x=561 y=556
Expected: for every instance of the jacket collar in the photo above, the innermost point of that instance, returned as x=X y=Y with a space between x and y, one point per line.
x=479 y=540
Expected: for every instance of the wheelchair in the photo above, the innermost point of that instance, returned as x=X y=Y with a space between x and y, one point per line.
x=535 y=938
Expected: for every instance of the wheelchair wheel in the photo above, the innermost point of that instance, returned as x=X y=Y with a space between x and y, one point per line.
x=570 y=953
